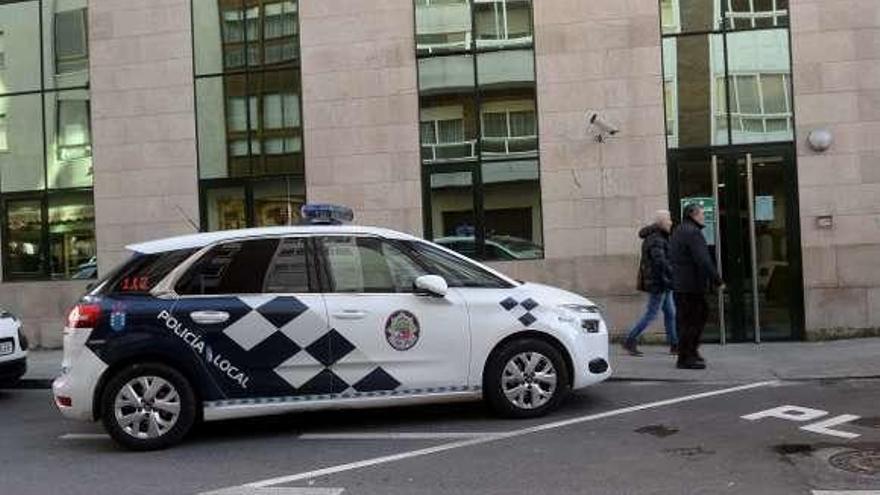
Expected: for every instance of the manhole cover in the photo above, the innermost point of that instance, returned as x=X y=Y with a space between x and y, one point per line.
x=857 y=461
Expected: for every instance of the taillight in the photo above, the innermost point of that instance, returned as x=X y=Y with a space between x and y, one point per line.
x=84 y=316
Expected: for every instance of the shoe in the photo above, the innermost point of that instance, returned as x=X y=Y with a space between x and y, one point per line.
x=700 y=359
x=673 y=349
x=631 y=348
x=690 y=365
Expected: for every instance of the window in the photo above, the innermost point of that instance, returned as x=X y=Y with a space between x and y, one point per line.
x=457 y=272
x=289 y=271
x=74 y=136
x=732 y=85
x=4 y=129
x=362 y=264
x=249 y=116
x=45 y=143
x=142 y=272
x=232 y=268
x=477 y=102
x=71 y=46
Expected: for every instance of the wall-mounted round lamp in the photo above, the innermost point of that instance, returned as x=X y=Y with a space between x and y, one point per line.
x=820 y=140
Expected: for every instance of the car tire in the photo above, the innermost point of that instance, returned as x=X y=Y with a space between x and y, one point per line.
x=514 y=390
x=148 y=406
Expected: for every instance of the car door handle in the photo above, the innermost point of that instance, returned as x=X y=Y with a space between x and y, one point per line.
x=209 y=317
x=350 y=314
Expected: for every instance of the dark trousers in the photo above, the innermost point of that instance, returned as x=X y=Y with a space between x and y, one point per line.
x=692 y=312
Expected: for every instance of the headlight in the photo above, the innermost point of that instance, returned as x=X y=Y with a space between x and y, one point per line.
x=587 y=318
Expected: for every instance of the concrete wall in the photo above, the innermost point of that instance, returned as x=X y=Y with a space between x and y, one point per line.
x=836 y=50
x=603 y=56
x=143 y=122
x=360 y=109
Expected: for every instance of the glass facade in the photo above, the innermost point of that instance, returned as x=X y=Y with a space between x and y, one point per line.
x=45 y=141
x=727 y=72
x=479 y=127
x=248 y=108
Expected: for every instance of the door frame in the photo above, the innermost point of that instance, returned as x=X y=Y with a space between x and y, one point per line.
x=738 y=326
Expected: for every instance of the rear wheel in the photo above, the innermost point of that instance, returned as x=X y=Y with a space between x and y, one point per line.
x=526 y=378
x=148 y=406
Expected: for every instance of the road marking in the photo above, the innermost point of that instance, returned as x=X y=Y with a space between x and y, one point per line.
x=500 y=436
x=804 y=414
x=84 y=436
x=846 y=492
x=396 y=436
x=246 y=490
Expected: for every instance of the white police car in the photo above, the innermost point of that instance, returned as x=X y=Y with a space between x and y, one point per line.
x=272 y=320
x=13 y=350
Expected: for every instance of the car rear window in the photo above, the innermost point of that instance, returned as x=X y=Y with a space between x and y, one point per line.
x=141 y=273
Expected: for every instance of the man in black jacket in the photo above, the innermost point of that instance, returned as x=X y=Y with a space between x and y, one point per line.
x=693 y=275
x=655 y=278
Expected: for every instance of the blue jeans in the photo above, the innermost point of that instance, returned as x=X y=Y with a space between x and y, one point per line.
x=655 y=302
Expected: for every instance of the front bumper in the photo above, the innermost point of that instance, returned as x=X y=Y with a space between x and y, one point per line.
x=11 y=371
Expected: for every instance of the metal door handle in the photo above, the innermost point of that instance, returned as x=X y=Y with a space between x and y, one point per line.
x=209 y=317
x=350 y=314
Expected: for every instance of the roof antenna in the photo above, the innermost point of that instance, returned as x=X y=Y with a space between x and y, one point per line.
x=187 y=218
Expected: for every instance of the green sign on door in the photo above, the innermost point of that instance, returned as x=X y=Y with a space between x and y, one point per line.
x=708 y=205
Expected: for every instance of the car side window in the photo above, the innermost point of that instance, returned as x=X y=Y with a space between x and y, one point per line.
x=367 y=264
x=289 y=271
x=238 y=267
x=142 y=272
x=457 y=272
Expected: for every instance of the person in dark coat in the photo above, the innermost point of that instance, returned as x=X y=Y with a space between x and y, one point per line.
x=694 y=274
x=655 y=278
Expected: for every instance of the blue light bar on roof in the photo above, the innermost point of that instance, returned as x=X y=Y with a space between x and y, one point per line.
x=326 y=214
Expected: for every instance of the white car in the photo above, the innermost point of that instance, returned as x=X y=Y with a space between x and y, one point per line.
x=13 y=350
x=265 y=321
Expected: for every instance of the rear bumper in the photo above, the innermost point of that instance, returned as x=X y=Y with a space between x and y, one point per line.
x=11 y=371
x=74 y=390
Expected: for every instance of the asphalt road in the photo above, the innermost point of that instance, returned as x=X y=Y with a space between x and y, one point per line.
x=615 y=438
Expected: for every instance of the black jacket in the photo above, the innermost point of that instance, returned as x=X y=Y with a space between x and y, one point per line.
x=693 y=269
x=655 y=268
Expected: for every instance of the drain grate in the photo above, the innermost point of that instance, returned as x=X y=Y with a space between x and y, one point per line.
x=857 y=461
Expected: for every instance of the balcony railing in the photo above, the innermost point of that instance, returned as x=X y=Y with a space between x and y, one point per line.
x=449 y=152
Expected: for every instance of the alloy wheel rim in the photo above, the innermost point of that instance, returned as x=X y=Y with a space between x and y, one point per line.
x=147 y=407
x=529 y=380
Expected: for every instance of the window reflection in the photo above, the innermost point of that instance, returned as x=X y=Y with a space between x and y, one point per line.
x=45 y=141
x=21 y=143
x=278 y=202
x=225 y=208
x=24 y=244
x=760 y=86
x=512 y=210
x=68 y=139
x=452 y=211
x=503 y=23
x=442 y=26
x=71 y=233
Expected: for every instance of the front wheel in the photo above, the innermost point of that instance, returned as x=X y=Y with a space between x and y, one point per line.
x=148 y=406
x=526 y=378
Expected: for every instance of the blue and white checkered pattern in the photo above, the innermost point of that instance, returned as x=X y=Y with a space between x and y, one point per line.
x=283 y=334
x=523 y=308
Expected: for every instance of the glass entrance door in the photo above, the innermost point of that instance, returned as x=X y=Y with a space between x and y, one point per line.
x=750 y=197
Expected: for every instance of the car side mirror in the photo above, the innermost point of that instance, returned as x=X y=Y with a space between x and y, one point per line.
x=434 y=285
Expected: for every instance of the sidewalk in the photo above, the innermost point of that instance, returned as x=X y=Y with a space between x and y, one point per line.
x=855 y=358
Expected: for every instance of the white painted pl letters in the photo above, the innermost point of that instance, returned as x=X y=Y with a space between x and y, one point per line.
x=804 y=414
x=791 y=413
x=824 y=427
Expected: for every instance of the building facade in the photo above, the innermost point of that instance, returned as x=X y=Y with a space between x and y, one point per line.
x=463 y=121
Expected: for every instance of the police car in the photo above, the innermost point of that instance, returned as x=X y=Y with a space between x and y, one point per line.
x=264 y=321
x=13 y=349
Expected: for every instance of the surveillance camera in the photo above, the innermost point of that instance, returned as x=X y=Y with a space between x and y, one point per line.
x=602 y=125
